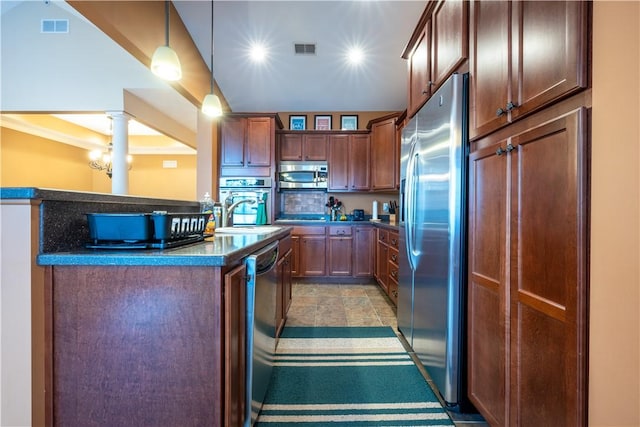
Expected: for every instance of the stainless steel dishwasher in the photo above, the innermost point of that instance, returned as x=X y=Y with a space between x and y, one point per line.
x=261 y=326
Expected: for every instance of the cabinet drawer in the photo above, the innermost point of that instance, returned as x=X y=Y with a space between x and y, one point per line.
x=393 y=239
x=339 y=231
x=393 y=256
x=393 y=272
x=307 y=231
x=383 y=235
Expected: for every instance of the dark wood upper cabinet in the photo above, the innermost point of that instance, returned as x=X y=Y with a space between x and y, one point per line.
x=438 y=46
x=349 y=159
x=524 y=55
x=385 y=150
x=247 y=145
x=298 y=146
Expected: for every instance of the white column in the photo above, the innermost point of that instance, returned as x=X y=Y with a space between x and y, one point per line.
x=120 y=140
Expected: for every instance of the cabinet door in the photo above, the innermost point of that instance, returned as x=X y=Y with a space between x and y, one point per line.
x=280 y=314
x=314 y=147
x=340 y=250
x=489 y=65
x=259 y=141
x=290 y=147
x=295 y=256
x=232 y=134
x=286 y=279
x=487 y=306
x=363 y=251
x=420 y=71
x=543 y=74
x=383 y=155
x=450 y=38
x=313 y=255
x=234 y=346
x=338 y=163
x=548 y=274
x=359 y=154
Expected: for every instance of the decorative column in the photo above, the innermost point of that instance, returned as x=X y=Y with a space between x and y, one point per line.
x=120 y=141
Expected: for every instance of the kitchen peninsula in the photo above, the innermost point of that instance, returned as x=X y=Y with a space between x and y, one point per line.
x=124 y=337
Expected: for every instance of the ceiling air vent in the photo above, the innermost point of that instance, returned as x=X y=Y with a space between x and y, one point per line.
x=305 y=48
x=54 y=26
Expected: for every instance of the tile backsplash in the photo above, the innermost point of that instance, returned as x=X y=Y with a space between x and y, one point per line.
x=306 y=202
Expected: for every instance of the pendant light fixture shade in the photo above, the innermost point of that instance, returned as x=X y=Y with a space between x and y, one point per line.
x=211 y=105
x=165 y=63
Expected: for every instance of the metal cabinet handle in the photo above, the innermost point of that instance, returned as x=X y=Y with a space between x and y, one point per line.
x=510 y=148
x=511 y=106
x=394 y=257
x=500 y=151
x=500 y=112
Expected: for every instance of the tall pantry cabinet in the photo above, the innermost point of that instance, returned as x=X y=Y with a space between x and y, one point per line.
x=528 y=220
x=527 y=273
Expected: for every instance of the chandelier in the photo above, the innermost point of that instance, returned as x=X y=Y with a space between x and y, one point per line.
x=101 y=160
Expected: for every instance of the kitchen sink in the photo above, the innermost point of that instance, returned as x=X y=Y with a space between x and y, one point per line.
x=250 y=229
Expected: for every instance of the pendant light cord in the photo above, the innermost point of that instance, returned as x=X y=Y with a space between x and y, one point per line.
x=166 y=22
x=211 y=46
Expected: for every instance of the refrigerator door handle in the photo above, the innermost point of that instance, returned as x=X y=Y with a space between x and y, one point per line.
x=411 y=208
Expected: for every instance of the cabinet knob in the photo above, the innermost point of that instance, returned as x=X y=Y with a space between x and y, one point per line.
x=511 y=106
x=394 y=242
x=394 y=257
x=500 y=112
x=510 y=148
x=500 y=151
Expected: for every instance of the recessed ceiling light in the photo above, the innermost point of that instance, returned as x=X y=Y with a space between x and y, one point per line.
x=355 y=55
x=258 y=52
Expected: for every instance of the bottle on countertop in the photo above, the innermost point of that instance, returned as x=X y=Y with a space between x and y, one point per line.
x=206 y=206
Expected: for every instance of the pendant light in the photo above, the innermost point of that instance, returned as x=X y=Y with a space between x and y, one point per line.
x=211 y=105
x=165 y=63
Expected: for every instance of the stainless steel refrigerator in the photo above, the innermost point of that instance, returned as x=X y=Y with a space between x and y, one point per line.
x=432 y=236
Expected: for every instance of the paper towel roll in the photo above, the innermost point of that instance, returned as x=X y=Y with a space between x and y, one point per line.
x=374 y=210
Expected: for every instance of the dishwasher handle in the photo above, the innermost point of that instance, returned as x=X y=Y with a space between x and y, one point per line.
x=266 y=258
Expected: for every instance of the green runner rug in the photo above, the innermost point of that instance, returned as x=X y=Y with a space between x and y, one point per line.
x=339 y=376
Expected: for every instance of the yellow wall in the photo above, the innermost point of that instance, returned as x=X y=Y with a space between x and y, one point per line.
x=32 y=161
x=614 y=338
x=363 y=117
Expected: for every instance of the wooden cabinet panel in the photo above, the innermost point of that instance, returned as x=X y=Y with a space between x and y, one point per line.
x=234 y=345
x=527 y=274
x=233 y=134
x=450 y=38
x=511 y=76
x=314 y=147
x=295 y=256
x=349 y=162
x=338 y=163
x=382 y=265
x=313 y=255
x=247 y=145
x=303 y=146
x=420 y=71
x=359 y=155
x=340 y=250
x=363 y=251
x=259 y=141
x=283 y=290
x=384 y=155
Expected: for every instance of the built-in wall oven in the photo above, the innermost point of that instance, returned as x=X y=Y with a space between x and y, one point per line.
x=258 y=189
x=301 y=175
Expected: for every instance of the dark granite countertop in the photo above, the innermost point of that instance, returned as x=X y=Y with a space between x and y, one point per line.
x=218 y=250
x=84 y=196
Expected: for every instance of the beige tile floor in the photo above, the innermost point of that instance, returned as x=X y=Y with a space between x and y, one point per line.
x=328 y=304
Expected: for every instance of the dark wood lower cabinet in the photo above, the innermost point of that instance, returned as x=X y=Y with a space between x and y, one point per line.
x=143 y=346
x=528 y=273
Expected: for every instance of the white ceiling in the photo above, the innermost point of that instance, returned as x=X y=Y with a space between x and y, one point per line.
x=323 y=82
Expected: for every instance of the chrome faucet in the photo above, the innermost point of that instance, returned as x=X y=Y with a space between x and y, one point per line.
x=228 y=208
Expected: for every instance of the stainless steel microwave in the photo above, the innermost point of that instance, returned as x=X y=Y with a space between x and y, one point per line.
x=309 y=175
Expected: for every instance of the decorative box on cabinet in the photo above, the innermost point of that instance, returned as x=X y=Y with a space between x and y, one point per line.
x=510 y=75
